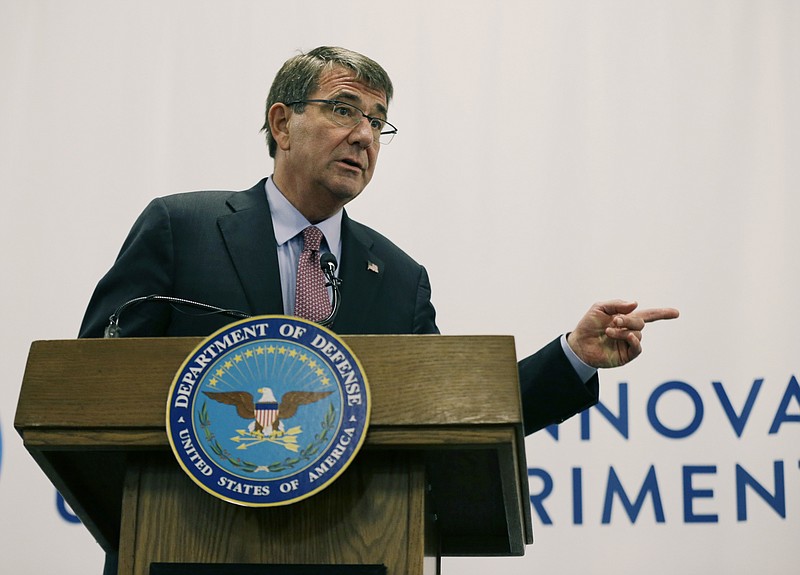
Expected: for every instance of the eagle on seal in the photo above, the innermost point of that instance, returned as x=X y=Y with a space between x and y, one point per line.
x=248 y=408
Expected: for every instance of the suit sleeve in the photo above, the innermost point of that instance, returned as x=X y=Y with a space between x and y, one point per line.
x=143 y=267
x=551 y=390
x=424 y=312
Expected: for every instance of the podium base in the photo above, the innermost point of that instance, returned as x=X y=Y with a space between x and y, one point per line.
x=375 y=514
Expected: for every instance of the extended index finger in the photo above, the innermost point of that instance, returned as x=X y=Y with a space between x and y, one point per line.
x=657 y=313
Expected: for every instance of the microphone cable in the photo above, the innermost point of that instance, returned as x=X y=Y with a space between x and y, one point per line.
x=113 y=330
x=327 y=263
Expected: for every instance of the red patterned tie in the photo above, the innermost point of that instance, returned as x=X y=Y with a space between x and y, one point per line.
x=311 y=298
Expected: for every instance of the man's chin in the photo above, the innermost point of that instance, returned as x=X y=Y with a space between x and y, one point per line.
x=345 y=196
x=347 y=191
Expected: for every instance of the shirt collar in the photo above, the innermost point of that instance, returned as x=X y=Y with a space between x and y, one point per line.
x=287 y=221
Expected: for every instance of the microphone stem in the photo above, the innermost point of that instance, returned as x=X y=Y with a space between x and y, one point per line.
x=333 y=283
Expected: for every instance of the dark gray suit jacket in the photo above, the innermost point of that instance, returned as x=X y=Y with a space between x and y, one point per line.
x=218 y=247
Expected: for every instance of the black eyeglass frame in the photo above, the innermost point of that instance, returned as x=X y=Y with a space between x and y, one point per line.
x=391 y=132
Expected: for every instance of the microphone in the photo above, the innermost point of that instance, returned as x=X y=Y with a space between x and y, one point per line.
x=327 y=261
x=113 y=330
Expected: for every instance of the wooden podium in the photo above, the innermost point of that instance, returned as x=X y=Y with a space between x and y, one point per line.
x=442 y=471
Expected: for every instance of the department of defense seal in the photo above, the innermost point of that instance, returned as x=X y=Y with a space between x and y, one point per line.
x=268 y=411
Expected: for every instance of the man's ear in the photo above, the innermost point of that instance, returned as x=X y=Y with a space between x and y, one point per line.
x=279 y=115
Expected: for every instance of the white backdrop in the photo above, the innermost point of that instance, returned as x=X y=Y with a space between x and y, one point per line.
x=571 y=151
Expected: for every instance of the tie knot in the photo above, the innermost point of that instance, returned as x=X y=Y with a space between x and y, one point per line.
x=312 y=237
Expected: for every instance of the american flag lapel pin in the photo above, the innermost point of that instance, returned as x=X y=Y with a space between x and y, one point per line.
x=372 y=267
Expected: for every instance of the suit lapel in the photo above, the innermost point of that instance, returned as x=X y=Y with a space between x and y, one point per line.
x=250 y=241
x=362 y=275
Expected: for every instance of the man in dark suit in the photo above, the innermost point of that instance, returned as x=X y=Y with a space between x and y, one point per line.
x=325 y=122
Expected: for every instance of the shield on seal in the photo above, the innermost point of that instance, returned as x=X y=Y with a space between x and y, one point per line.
x=266 y=413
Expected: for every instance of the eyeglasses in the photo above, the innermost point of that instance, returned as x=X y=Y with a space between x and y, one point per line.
x=349 y=116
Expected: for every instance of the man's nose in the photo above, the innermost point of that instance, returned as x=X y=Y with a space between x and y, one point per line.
x=362 y=134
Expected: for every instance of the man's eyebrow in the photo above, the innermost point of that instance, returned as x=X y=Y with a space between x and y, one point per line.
x=356 y=101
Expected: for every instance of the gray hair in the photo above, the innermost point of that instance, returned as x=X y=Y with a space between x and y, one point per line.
x=299 y=77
